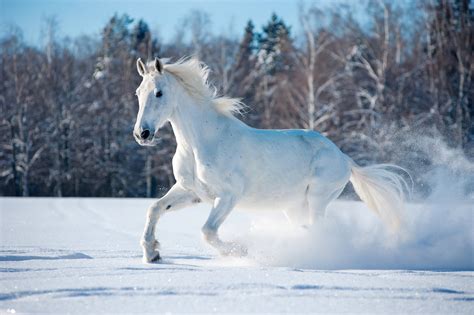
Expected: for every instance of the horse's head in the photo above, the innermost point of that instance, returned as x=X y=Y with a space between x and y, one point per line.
x=155 y=102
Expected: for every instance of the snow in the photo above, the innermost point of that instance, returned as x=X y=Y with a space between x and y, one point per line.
x=82 y=256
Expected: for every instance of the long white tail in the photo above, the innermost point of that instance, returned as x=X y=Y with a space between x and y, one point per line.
x=382 y=190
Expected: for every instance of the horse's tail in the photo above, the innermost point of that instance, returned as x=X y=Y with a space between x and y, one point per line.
x=382 y=190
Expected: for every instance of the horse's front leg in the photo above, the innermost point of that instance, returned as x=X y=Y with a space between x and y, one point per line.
x=220 y=210
x=176 y=198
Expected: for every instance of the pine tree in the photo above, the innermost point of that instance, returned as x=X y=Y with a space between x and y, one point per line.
x=273 y=64
x=274 y=43
x=244 y=64
x=247 y=47
x=141 y=40
x=244 y=74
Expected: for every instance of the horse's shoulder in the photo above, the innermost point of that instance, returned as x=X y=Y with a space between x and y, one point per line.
x=182 y=155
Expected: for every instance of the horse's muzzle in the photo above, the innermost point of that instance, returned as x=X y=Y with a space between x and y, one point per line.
x=149 y=142
x=146 y=138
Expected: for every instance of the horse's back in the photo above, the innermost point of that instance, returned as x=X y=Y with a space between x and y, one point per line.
x=299 y=146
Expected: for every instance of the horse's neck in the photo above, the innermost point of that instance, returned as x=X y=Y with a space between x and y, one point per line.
x=197 y=126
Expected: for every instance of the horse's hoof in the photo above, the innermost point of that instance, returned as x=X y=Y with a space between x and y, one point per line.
x=152 y=258
x=157 y=258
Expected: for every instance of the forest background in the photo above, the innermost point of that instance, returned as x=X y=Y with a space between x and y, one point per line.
x=396 y=87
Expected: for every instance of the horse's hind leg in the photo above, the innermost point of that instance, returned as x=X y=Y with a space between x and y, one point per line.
x=219 y=212
x=319 y=199
x=297 y=215
x=330 y=176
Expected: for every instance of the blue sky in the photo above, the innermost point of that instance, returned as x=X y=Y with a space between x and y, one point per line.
x=89 y=16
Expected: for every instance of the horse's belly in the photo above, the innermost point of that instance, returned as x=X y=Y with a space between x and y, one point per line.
x=288 y=202
x=276 y=192
x=277 y=180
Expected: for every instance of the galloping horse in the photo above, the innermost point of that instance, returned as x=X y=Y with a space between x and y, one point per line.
x=224 y=162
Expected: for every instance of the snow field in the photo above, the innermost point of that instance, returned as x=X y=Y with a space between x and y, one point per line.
x=82 y=256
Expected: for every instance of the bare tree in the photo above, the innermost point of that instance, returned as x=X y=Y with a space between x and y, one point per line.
x=317 y=81
x=23 y=143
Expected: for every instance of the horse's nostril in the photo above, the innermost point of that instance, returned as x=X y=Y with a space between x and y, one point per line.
x=145 y=134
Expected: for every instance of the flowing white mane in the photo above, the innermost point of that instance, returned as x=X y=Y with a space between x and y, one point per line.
x=193 y=75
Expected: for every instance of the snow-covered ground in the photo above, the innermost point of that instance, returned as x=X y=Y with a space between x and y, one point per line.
x=82 y=256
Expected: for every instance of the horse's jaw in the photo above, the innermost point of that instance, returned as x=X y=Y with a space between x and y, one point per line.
x=148 y=143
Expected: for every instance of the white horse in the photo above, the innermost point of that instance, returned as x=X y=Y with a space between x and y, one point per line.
x=224 y=162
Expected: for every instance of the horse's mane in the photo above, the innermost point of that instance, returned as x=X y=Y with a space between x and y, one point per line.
x=193 y=75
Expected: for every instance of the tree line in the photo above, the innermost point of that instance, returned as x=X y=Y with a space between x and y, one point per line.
x=68 y=107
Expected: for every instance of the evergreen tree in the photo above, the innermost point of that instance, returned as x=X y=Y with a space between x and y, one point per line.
x=247 y=47
x=141 y=39
x=274 y=43
x=116 y=34
x=244 y=64
x=244 y=71
x=273 y=65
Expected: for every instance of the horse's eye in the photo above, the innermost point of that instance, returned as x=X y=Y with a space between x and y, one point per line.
x=159 y=93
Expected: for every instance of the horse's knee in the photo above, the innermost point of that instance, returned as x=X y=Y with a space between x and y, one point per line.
x=156 y=209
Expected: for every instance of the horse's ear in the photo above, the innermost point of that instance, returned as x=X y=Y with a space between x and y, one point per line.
x=158 y=65
x=141 y=67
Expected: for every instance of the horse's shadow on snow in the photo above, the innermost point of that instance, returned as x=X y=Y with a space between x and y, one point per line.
x=31 y=257
x=191 y=257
